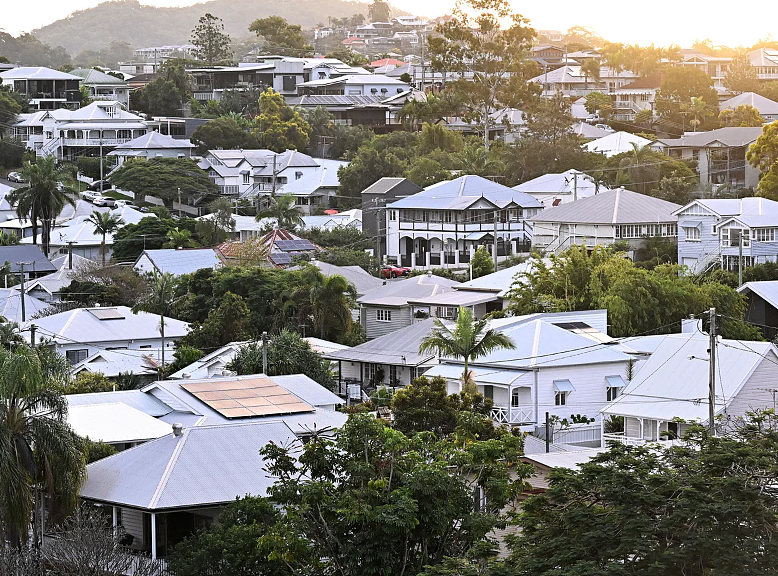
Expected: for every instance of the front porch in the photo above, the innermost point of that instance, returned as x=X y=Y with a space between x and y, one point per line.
x=421 y=253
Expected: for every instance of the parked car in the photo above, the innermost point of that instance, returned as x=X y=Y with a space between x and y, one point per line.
x=15 y=177
x=389 y=271
x=88 y=195
x=110 y=202
x=100 y=185
x=120 y=203
x=100 y=201
x=604 y=127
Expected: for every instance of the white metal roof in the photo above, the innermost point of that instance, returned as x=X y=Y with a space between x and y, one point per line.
x=673 y=382
x=184 y=261
x=399 y=292
x=482 y=375
x=36 y=73
x=462 y=192
x=764 y=105
x=767 y=290
x=616 y=143
x=11 y=305
x=567 y=183
x=115 y=423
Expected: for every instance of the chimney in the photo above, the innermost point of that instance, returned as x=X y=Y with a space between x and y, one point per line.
x=178 y=430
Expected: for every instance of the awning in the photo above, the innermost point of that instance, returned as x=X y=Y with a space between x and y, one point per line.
x=615 y=381
x=482 y=375
x=563 y=386
x=103 y=126
x=691 y=225
x=476 y=235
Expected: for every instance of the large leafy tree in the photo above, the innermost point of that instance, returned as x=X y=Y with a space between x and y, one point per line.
x=330 y=300
x=743 y=115
x=764 y=152
x=467 y=339
x=741 y=75
x=486 y=44
x=278 y=126
x=163 y=177
x=379 y=11
x=211 y=42
x=223 y=133
x=673 y=99
x=228 y=323
x=39 y=453
x=281 y=37
x=43 y=197
x=372 y=501
x=105 y=223
x=706 y=506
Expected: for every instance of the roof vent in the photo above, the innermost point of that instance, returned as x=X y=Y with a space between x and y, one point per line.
x=229 y=373
x=186 y=375
x=178 y=430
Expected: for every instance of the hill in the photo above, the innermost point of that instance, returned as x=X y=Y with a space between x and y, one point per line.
x=141 y=26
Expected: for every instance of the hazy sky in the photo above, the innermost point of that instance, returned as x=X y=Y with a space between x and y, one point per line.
x=660 y=21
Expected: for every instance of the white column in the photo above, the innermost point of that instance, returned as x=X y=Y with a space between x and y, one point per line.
x=115 y=521
x=456 y=255
x=427 y=258
x=413 y=259
x=153 y=536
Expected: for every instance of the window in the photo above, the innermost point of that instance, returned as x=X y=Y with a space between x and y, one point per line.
x=76 y=356
x=515 y=398
x=383 y=315
x=692 y=233
x=246 y=178
x=392 y=215
x=449 y=312
x=370 y=371
x=612 y=393
x=562 y=388
x=393 y=375
x=560 y=398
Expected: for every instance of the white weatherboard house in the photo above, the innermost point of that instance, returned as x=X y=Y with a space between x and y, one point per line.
x=82 y=332
x=102 y=86
x=563 y=364
x=673 y=385
x=444 y=224
x=710 y=233
x=604 y=219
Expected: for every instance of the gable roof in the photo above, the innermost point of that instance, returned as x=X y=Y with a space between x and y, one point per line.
x=362 y=281
x=497 y=282
x=114 y=423
x=730 y=136
x=31 y=255
x=386 y=184
x=184 y=261
x=36 y=73
x=751 y=206
x=96 y=77
x=617 y=206
x=111 y=363
x=767 y=290
x=673 y=382
x=11 y=305
x=461 y=193
x=83 y=325
x=398 y=347
x=204 y=466
x=765 y=106
x=137 y=399
x=156 y=141
x=563 y=183
x=398 y=292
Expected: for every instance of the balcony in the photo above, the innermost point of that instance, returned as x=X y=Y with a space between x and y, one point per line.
x=621 y=438
x=513 y=414
x=94 y=141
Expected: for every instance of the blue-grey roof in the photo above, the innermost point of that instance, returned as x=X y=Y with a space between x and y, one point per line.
x=307 y=390
x=399 y=347
x=361 y=280
x=11 y=305
x=31 y=255
x=766 y=289
x=206 y=465
x=612 y=207
x=398 y=292
x=133 y=398
x=463 y=192
x=178 y=262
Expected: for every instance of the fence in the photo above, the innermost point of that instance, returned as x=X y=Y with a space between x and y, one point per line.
x=572 y=434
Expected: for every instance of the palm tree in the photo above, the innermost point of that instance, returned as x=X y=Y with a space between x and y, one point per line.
x=43 y=198
x=161 y=300
x=590 y=68
x=475 y=159
x=10 y=333
x=330 y=303
x=637 y=163
x=179 y=239
x=8 y=239
x=469 y=339
x=38 y=449
x=699 y=109
x=283 y=211
x=105 y=223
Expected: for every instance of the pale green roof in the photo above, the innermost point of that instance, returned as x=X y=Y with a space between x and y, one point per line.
x=92 y=76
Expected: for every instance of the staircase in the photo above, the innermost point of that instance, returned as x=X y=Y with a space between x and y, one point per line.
x=709 y=262
x=49 y=148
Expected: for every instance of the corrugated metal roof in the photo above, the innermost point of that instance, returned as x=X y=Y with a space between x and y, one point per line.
x=767 y=290
x=563 y=183
x=204 y=466
x=673 y=382
x=178 y=262
x=398 y=347
x=154 y=140
x=764 y=106
x=385 y=184
x=90 y=76
x=137 y=399
x=462 y=192
x=111 y=363
x=497 y=282
x=37 y=73
x=115 y=423
x=481 y=375
x=612 y=207
x=730 y=136
x=31 y=255
x=362 y=281
x=398 y=292
x=455 y=298
x=616 y=143
x=11 y=305
x=751 y=206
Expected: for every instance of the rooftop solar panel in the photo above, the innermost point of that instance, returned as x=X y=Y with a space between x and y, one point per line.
x=281 y=258
x=246 y=398
x=106 y=314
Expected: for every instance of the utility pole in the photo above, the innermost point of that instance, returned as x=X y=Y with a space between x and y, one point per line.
x=101 y=161
x=32 y=337
x=740 y=260
x=21 y=288
x=495 y=240
x=179 y=201
x=264 y=353
x=548 y=435
x=575 y=182
x=422 y=62
x=70 y=254
x=144 y=241
x=273 y=191
x=712 y=373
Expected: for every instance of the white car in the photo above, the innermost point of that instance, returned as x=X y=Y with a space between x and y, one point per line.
x=100 y=201
x=89 y=196
x=120 y=203
x=15 y=177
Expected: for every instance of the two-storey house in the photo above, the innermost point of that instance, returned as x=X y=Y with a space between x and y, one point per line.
x=572 y=82
x=727 y=233
x=102 y=86
x=446 y=222
x=46 y=89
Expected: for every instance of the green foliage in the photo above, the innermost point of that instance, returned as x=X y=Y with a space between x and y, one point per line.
x=488 y=40
x=372 y=501
x=28 y=50
x=763 y=153
x=211 y=43
x=94 y=451
x=90 y=167
x=426 y=172
x=768 y=184
x=282 y=209
x=674 y=98
x=482 y=262
x=87 y=382
x=178 y=239
x=150 y=232
x=280 y=36
x=339 y=237
x=109 y=56
x=633 y=510
x=11 y=153
x=228 y=323
x=599 y=103
x=278 y=126
x=223 y=133
x=351 y=257
x=183 y=357
x=743 y=115
x=638 y=301
x=162 y=177
x=234 y=545
x=287 y=353
x=379 y=11
x=741 y=75
x=347 y=56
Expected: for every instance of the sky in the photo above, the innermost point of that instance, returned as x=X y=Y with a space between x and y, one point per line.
x=661 y=22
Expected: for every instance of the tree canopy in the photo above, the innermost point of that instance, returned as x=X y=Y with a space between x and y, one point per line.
x=210 y=41
x=281 y=37
x=163 y=177
x=679 y=85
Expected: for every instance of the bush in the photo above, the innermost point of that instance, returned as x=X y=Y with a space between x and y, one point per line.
x=87 y=382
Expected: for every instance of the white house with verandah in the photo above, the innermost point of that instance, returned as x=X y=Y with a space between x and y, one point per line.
x=563 y=364
x=725 y=232
x=445 y=223
x=671 y=389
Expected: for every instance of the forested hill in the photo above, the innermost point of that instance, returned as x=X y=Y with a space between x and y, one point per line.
x=141 y=26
